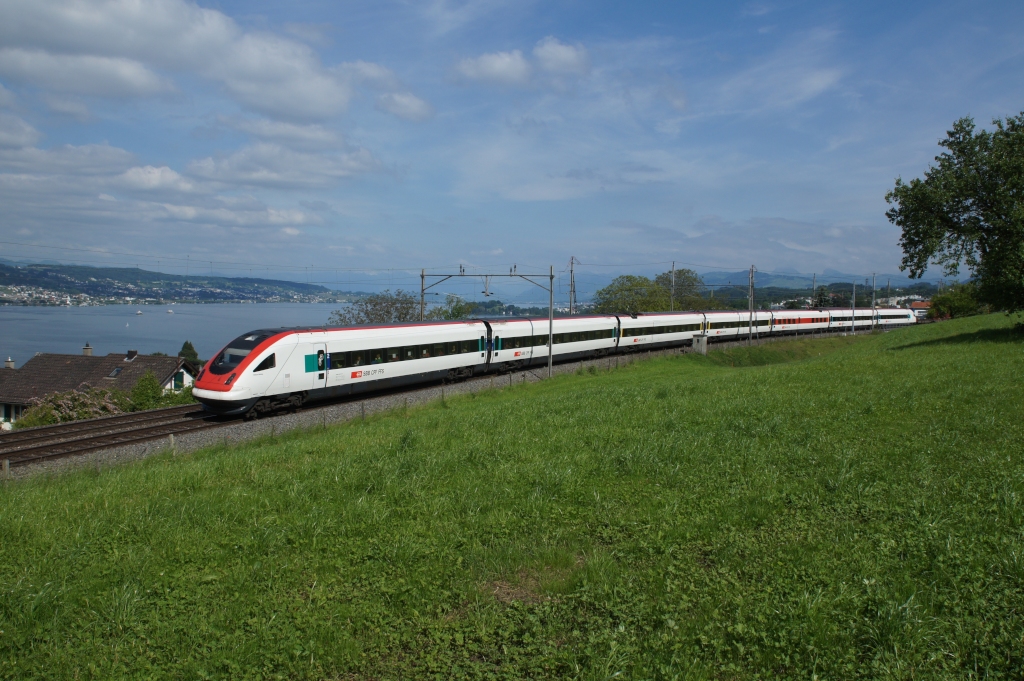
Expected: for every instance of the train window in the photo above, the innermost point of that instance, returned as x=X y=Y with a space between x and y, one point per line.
x=356 y=358
x=339 y=360
x=452 y=348
x=425 y=351
x=394 y=354
x=439 y=350
x=468 y=346
x=409 y=352
x=268 y=363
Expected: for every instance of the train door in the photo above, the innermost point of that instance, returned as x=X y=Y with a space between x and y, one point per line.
x=321 y=365
x=487 y=345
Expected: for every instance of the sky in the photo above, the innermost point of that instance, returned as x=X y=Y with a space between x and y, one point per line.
x=392 y=134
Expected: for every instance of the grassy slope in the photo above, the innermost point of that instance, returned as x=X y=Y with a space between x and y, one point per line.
x=856 y=513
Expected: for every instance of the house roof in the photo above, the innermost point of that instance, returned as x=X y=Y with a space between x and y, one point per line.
x=921 y=306
x=48 y=373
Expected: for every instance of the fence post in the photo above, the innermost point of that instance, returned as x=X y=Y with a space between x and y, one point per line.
x=170 y=439
x=7 y=469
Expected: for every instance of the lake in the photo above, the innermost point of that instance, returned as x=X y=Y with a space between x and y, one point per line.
x=25 y=331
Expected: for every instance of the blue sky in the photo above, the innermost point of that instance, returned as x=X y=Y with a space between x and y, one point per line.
x=384 y=134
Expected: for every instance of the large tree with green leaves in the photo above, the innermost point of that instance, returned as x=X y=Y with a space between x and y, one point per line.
x=632 y=294
x=380 y=308
x=969 y=210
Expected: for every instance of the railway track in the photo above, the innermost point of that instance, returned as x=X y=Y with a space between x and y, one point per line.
x=82 y=437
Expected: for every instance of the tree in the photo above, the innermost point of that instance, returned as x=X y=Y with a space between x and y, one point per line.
x=822 y=297
x=380 y=308
x=146 y=392
x=958 y=300
x=631 y=294
x=189 y=353
x=453 y=308
x=690 y=291
x=969 y=210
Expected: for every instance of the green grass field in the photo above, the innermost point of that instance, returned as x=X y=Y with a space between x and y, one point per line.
x=837 y=509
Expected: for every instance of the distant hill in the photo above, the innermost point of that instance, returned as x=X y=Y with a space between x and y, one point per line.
x=106 y=284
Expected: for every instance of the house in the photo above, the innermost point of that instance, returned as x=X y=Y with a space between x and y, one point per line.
x=48 y=373
x=921 y=308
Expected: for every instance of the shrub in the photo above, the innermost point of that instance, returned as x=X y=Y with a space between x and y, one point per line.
x=147 y=392
x=959 y=300
x=74 y=405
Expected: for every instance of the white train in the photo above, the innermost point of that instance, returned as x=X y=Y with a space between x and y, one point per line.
x=271 y=369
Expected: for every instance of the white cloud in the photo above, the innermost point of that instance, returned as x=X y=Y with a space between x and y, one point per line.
x=150 y=178
x=290 y=134
x=81 y=74
x=504 y=68
x=270 y=164
x=450 y=15
x=561 y=59
x=67 y=106
x=118 y=48
x=6 y=96
x=405 y=105
x=16 y=133
x=369 y=74
x=792 y=76
x=291 y=231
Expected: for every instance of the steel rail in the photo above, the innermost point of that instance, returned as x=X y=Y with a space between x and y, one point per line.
x=58 y=429
x=56 y=432
x=101 y=442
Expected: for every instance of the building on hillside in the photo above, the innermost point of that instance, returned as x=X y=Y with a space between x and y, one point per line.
x=921 y=308
x=48 y=373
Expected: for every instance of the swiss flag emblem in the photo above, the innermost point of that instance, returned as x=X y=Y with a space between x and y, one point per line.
x=517 y=354
x=357 y=374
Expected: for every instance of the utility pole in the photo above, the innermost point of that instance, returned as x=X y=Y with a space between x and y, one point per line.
x=814 y=288
x=672 y=290
x=750 y=299
x=532 y=278
x=888 y=292
x=551 y=318
x=853 y=309
x=572 y=286
x=872 y=301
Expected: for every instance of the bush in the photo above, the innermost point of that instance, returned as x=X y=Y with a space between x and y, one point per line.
x=74 y=405
x=147 y=392
x=959 y=300
x=89 y=403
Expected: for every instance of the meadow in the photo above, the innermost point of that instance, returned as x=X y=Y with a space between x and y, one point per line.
x=833 y=509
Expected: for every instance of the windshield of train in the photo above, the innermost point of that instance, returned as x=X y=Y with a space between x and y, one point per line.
x=237 y=350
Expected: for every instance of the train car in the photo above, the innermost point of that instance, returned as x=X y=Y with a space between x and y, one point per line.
x=889 y=318
x=266 y=370
x=728 y=325
x=799 y=321
x=658 y=329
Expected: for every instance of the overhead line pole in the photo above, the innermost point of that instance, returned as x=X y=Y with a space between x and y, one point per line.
x=550 y=288
x=872 y=301
x=750 y=301
x=672 y=290
x=853 y=309
x=551 y=318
